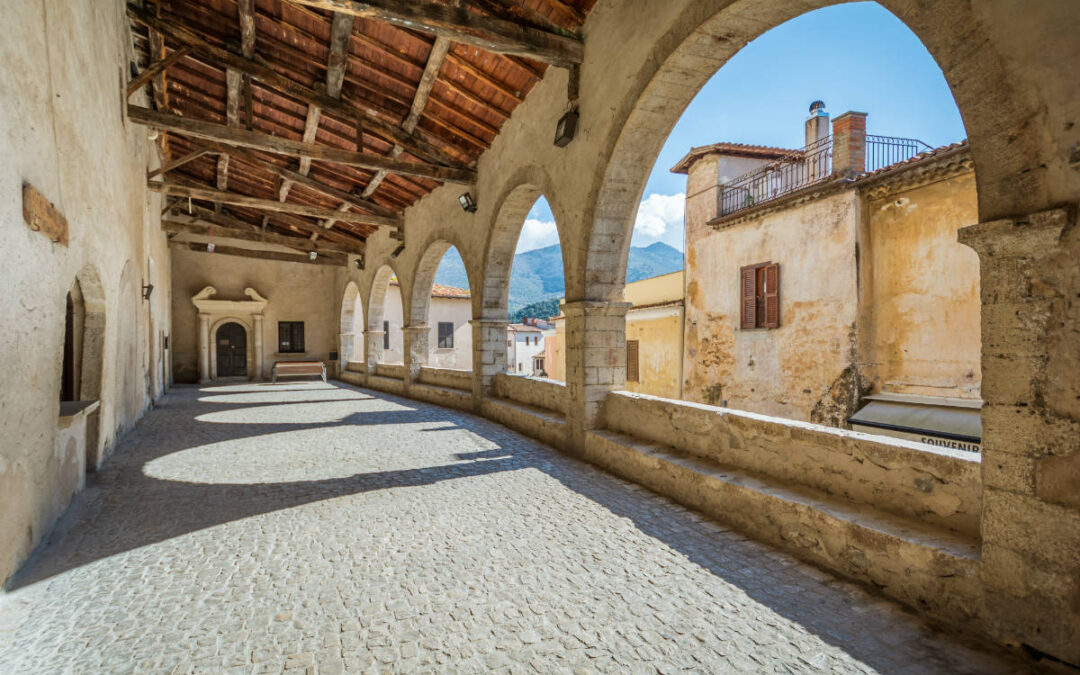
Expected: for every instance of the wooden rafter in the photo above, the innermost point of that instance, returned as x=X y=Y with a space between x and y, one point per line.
x=202 y=228
x=321 y=259
x=285 y=146
x=225 y=59
x=176 y=163
x=339 y=239
x=154 y=69
x=460 y=25
x=219 y=197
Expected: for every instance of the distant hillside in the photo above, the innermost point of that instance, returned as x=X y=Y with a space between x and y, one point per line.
x=538 y=275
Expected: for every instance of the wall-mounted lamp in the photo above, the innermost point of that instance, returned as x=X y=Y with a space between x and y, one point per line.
x=313 y=255
x=358 y=262
x=147 y=289
x=566 y=128
x=398 y=251
x=467 y=203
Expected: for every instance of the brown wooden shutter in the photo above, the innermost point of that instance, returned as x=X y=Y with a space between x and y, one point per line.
x=772 y=295
x=631 y=360
x=748 y=295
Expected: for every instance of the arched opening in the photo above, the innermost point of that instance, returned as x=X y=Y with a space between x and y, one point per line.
x=525 y=283
x=351 y=334
x=823 y=279
x=230 y=343
x=442 y=301
x=386 y=318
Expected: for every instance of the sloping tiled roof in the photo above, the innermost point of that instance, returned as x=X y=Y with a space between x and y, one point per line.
x=732 y=149
x=440 y=291
x=921 y=158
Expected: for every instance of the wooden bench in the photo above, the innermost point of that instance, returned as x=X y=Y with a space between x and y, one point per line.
x=297 y=369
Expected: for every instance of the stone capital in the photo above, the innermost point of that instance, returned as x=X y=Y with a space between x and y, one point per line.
x=1034 y=236
x=489 y=322
x=423 y=328
x=591 y=308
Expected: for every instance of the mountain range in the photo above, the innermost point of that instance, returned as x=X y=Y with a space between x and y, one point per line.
x=537 y=275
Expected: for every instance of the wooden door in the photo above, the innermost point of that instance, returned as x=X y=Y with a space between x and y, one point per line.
x=231 y=350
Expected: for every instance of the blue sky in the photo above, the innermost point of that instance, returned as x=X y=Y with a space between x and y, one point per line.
x=856 y=56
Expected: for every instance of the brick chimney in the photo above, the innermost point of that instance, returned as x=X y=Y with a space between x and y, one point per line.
x=849 y=144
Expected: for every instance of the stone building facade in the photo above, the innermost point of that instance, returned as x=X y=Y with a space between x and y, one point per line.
x=874 y=293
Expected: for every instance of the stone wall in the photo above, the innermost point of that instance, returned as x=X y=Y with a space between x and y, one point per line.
x=538 y=392
x=937 y=486
x=64 y=131
x=447 y=377
x=295 y=292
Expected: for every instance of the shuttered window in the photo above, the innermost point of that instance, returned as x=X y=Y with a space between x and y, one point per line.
x=446 y=335
x=632 y=373
x=759 y=296
x=290 y=337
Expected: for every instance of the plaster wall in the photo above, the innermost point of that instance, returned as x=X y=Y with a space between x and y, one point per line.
x=457 y=311
x=787 y=371
x=923 y=302
x=519 y=354
x=295 y=292
x=659 y=332
x=61 y=113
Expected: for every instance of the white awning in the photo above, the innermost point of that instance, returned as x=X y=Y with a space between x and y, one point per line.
x=942 y=422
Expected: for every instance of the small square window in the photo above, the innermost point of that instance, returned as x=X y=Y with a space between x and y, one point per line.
x=290 y=337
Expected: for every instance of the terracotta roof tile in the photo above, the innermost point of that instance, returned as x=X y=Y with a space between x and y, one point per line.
x=734 y=149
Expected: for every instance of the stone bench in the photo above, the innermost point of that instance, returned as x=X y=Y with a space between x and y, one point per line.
x=298 y=369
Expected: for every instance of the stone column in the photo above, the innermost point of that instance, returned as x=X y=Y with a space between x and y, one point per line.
x=595 y=362
x=373 y=345
x=1030 y=570
x=204 y=348
x=416 y=351
x=489 y=355
x=257 y=340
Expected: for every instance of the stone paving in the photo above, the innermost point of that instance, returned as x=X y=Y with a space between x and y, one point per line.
x=317 y=528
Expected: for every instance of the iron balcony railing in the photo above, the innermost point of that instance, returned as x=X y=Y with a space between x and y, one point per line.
x=883 y=151
x=810 y=165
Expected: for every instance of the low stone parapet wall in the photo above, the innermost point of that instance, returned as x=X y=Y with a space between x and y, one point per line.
x=451 y=378
x=934 y=485
x=538 y=392
x=396 y=372
x=356 y=367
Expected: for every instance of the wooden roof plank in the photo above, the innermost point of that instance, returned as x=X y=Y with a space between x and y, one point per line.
x=460 y=25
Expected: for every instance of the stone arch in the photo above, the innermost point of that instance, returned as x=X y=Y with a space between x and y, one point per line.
x=91 y=349
x=249 y=333
x=523 y=189
x=703 y=40
x=351 y=326
x=376 y=303
x=423 y=276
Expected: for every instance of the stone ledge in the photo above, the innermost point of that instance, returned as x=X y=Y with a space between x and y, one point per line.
x=537 y=392
x=545 y=425
x=444 y=396
x=927 y=568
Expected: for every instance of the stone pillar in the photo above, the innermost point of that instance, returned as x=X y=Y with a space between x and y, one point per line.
x=204 y=348
x=257 y=341
x=1030 y=571
x=489 y=355
x=595 y=362
x=416 y=351
x=373 y=345
x=849 y=144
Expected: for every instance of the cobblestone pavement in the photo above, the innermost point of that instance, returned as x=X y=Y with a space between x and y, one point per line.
x=323 y=528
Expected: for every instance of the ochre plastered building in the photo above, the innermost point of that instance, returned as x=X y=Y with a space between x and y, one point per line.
x=993 y=546
x=874 y=292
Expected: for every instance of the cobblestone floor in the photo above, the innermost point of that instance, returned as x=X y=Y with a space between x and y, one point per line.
x=321 y=528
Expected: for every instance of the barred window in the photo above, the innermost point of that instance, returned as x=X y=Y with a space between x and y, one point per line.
x=290 y=337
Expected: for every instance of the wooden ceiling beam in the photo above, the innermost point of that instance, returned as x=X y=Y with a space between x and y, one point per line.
x=225 y=59
x=336 y=261
x=286 y=146
x=460 y=25
x=348 y=242
x=200 y=227
x=219 y=197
